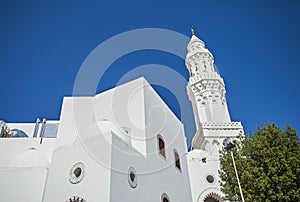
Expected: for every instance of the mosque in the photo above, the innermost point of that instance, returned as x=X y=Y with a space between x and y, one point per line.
x=124 y=144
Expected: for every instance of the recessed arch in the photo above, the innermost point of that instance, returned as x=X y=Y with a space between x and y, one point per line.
x=210 y=195
x=215 y=142
x=213 y=197
x=215 y=147
x=205 y=145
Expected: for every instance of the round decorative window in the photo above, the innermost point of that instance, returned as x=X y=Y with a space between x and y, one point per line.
x=132 y=178
x=77 y=173
x=210 y=178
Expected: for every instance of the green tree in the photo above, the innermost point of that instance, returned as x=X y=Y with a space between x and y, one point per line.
x=268 y=165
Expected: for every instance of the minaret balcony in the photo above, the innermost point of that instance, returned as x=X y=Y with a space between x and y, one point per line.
x=215 y=130
x=207 y=76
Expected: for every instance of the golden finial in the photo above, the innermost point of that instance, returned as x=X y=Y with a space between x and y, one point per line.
x=192 y=30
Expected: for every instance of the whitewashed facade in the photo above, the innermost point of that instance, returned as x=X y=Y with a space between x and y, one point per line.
x=124 y=144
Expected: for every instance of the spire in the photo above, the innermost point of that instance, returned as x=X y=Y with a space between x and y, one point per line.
x=194 y=38
x=192 y=30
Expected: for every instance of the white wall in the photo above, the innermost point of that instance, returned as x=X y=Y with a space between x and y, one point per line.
x=124 y=106
x=156 y=175
x=199 y=170
x=15 y=146
x=76 y=114
x=22 y=184
x=107 y=151
x=95 y=153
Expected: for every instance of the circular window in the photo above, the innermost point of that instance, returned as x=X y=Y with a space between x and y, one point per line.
x=77 y=173
x=210 y=179
x=132 y=178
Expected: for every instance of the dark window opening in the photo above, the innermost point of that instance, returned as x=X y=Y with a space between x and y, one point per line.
x=210 y=179
x=132 y=176
x=165 y=198
x=209 y=199
x=161 y=146
x=77 y=172
x=177 y=160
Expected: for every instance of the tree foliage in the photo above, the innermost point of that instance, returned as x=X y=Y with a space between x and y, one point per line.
x=268 y=165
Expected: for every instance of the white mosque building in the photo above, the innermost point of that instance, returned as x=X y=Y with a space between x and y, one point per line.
x=124 y=144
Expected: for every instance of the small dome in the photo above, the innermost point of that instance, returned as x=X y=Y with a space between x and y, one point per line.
x=18 y=133
x=195 y=39
x=28 y=158
x=197 y=154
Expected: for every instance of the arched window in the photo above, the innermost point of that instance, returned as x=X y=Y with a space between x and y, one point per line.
x=177 y=160
x=215 y=148
x=215 y=142
x=161 y=146
x=165 y=198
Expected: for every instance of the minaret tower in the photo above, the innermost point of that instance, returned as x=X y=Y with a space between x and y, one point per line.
x=206 y=91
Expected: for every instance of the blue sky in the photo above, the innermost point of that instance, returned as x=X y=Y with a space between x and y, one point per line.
x=256 y=46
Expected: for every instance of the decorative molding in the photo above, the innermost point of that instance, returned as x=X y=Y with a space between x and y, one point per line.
x=75 y=199
x=208 y=90
x=204 y=77
x=213 y=195
x=221 y=126
x=132 y=177
x=198 y=54
x=220 y=130
x=77 y=173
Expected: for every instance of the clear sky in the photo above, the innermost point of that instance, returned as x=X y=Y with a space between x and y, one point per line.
x=256 y=45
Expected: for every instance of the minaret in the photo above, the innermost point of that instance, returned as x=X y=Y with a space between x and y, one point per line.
x=206 y=91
